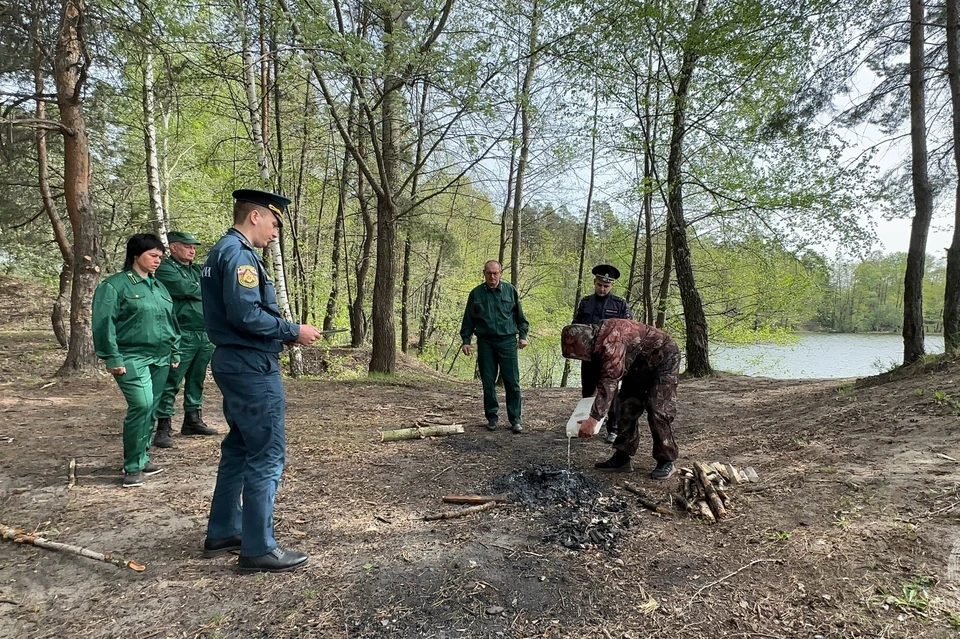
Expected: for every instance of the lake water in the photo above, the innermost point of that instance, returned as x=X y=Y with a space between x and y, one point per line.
x=818 y=355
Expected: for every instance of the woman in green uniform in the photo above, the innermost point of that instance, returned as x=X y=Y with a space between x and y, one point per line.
x=136 y=335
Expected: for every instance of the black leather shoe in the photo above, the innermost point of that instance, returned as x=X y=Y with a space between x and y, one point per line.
x=277 y=560
x=492 y=425
x=216 y=547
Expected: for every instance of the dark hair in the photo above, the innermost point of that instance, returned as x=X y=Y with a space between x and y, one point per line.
x=139 y=244
x=242 y=209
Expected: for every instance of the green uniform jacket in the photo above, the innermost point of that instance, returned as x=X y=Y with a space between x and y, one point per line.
x=134 y=316
x=493 y=313
x=183 y=283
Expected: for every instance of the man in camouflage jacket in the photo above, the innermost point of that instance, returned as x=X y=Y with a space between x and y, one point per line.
x=647 y=361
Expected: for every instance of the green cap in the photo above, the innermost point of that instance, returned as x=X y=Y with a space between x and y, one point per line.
x=181 y=236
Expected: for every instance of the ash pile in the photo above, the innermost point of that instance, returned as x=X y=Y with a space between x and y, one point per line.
x=579 y=516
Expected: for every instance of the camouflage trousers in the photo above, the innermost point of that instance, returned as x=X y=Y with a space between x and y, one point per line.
x=652 y=389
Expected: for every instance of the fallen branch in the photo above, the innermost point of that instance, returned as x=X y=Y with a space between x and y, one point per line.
x=20 y=537
x=644 y=500
x=463 y=512
x=725 y=577
x=420 y=432
x=472 y=499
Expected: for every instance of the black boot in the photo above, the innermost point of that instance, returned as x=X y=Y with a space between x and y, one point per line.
x=619 y=463
x=164 y=435
x=193 y=424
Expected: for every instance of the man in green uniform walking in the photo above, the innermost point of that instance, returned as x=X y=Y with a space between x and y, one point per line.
x=493 y=313
x=182 y=278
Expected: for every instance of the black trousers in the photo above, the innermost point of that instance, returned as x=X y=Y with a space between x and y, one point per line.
x=589 y=378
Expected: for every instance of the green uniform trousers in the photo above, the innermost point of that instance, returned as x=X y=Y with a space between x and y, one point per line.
x=141 y=386
x=196 y=349
x=493 y=354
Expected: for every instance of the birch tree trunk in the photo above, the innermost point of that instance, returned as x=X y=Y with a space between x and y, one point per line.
x=154 y=193
x=913 y=348
x=951 y=298
x=256 y=130
x=70 y=64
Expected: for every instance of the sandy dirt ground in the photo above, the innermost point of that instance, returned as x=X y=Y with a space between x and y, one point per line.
x=852 y=530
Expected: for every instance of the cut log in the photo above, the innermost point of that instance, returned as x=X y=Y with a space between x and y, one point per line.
x=752 y=476
x=420 y=432
x=472 y=499
x=733 y=476
x=705 y=511
x=20 y=537
x=713 y=500
x=463 y=512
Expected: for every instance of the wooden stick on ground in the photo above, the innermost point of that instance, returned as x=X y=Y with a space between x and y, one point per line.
x=644 y=500
x=20 y=537
x=453 y=514
x=420 y=432
x=472 y=499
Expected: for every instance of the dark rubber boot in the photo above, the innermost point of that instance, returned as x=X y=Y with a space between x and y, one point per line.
x=193 y=424
x=164 y=435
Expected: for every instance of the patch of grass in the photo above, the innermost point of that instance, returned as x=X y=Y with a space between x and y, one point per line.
x=913 y=595
x=780 y=535
x=953 y=619
x=846 y=390
x=841 y=519
x=920 y=392
x=943 y=398
x=310 y=593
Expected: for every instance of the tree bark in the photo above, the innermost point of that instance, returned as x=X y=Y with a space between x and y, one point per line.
x=525 y=117
x=695 y=321
x=70 y=64
x=154 y=192
x=922 y=193
x=951 y=298
x=46 y=195
x=257 y=123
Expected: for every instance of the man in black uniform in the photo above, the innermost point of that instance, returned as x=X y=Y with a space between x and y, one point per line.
x=602 y=305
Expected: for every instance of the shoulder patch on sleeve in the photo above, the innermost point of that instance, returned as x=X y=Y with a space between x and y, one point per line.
x=247 y=276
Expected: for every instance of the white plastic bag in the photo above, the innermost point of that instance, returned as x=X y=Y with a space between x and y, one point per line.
x=580 y=413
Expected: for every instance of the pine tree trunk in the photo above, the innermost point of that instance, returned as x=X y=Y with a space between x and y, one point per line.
x=913 y=348
x=70 y=73
x=46 y=195
x=951 y=298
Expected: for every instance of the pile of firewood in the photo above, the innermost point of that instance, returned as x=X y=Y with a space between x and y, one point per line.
x=702 y=489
